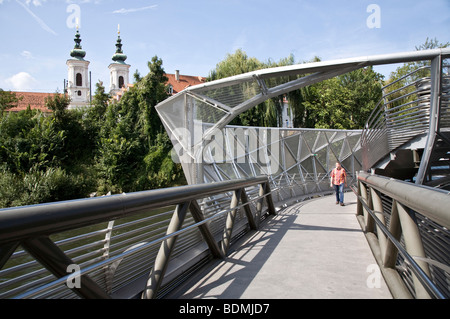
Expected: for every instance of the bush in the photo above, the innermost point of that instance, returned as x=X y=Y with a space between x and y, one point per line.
x=11 y=189
x=53 y=184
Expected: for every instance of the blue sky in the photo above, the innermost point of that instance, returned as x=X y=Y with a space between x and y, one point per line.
x=193 y=36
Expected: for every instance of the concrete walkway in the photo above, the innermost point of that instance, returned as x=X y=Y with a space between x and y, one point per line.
x=314 y=249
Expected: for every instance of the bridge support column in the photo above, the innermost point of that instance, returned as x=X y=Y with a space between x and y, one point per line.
x=391 y=253
x=44 y=250
x=204 y=229
x=414 y=247
x=369 y=223
x=230 y=221
x=270 y=205
x=162 y=259
x=248 y=212
x=378 y=210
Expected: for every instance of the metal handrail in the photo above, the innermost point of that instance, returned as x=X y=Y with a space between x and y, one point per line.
x=408 y=198
x=32 y=226
x=21 y=223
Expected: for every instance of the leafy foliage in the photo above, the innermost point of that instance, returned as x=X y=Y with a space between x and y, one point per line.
x=343 y=102
x=112 y=147
x=403 y=84
x=134 y=149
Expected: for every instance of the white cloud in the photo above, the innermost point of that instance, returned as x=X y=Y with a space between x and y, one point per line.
x=22 y=81
x=27 y=54
x=125 y=11
x=36 y=3
x=83 y=1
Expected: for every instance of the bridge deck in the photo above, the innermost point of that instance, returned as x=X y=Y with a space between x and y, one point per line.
x=313 y=249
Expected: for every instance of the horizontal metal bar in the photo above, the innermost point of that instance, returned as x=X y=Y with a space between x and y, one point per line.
x=405 y=76
x=323 y=66
x=31 y=221
x=434 y=207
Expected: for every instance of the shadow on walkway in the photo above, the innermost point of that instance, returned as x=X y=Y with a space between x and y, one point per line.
x=313 y=249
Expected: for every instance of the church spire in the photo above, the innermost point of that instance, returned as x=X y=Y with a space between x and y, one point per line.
x=119 y=57
x=78 y=86
x=119 y=70
x=77 y=51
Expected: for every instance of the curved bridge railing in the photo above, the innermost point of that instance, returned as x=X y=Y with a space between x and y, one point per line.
x=119 y=246
x=407 y=227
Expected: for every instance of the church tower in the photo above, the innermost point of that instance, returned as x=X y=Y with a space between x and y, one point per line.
x=78 y=77
x=119 y=70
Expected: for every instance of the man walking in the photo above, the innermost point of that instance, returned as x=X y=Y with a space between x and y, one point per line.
x=338 y=178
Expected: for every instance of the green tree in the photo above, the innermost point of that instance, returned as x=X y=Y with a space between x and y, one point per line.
x=133 y=148
x=93 y=119
x=99 y=103
x=264 y=114
x=233 y=64
x=399 y=79
x=344 y=102
x=58 y=105
x=29 y=139
x=79 y=141
x=33 y=153
x=7 y=100
x=412 y=66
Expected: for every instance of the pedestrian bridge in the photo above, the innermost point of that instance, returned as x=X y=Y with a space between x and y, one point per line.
x=257 y=219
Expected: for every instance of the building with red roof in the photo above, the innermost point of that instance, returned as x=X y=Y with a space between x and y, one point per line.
x=32 y=100
x=178 y=82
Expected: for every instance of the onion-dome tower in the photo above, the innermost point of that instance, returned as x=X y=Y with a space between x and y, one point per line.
x=78 y=75
x=119 y=70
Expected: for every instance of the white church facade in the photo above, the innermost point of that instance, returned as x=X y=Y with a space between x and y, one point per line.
x=78 y=83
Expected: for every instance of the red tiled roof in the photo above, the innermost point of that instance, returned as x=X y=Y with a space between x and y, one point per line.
x=184 y=81
x=177 y=86
x=37 y=100
x=34 y=100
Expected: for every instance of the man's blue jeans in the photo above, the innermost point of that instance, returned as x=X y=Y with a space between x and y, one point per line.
x=339 y=189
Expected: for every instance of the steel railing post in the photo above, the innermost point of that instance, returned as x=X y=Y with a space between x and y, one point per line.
x=226 y=238
x=6 y=251
x=109 y=275
x=248 y=212
x=407 y=201
x=368 y=220
x=204 y=229
x=391 y=253
x=57 y=262
x=259 y=203
x=414 y=246
x=359 y=206
x=162 y=259
x=378 y=210
x=268 y=193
